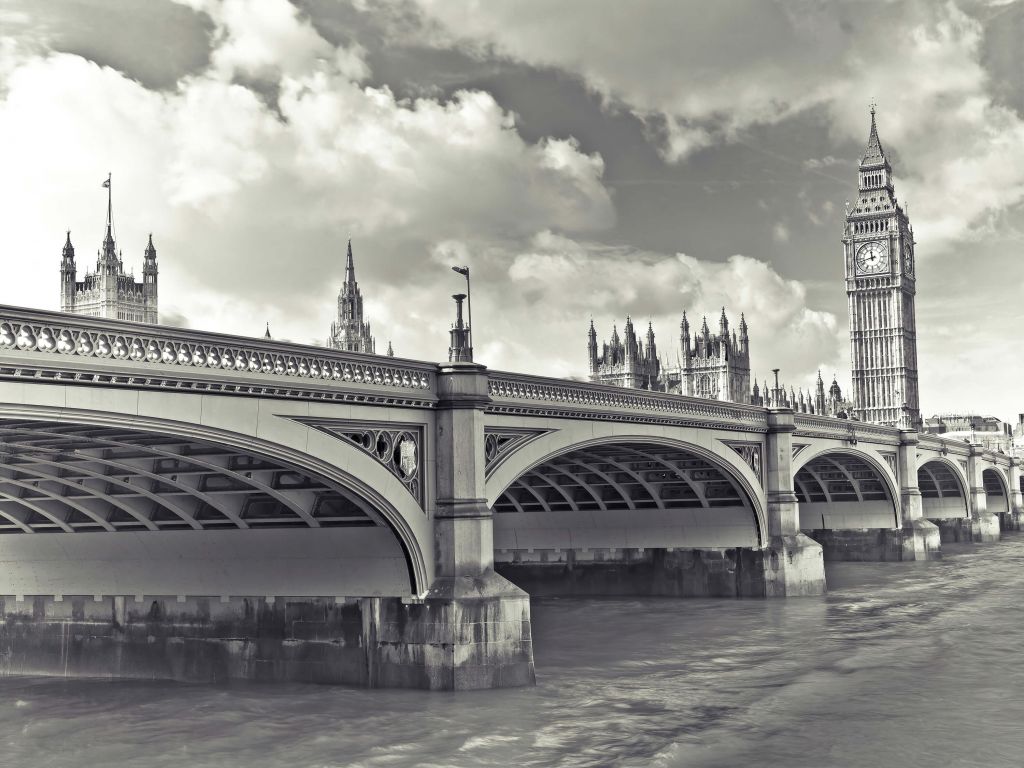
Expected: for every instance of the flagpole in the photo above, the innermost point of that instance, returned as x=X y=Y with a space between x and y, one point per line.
x=110 y=203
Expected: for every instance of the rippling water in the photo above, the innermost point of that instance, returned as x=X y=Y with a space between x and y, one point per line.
x=901 y=664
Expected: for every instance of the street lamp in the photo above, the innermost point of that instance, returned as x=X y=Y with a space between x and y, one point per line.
x=469 y=305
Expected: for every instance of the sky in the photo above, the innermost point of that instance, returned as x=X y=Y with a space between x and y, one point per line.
x=587 y=159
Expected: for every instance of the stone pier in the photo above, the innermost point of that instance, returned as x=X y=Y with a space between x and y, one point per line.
x=472 y=628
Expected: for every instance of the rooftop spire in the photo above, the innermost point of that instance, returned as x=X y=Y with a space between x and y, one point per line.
x=69 y=249
x=350 y=270
x=874 y=154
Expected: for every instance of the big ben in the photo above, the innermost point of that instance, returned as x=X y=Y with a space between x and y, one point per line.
x=880 y=288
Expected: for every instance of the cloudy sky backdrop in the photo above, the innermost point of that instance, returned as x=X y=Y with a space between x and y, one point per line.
x=586 y=158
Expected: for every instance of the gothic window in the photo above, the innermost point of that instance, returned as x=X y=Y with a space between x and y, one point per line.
x=706 y=387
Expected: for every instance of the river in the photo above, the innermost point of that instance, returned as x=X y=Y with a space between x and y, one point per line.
x=899 y=665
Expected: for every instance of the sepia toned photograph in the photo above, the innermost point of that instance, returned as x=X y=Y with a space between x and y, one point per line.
x=454 y=384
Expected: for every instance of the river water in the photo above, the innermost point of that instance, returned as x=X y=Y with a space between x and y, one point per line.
x=900 y=665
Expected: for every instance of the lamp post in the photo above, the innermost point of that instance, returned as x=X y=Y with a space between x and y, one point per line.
x=469 y=305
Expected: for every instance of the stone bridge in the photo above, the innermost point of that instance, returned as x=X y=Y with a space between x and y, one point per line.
x=220 y=506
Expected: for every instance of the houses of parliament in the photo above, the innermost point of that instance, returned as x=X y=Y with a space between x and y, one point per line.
x=879 y=267
x=878 y=257
x=110 y=292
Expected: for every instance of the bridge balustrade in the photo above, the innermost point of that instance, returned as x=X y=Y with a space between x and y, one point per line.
x=119 y=352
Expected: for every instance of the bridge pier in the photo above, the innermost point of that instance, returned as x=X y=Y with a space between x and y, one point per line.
x=1016 y=498
x=984 y=524
x=472 y=627
x=919 y=538
x=793 y=562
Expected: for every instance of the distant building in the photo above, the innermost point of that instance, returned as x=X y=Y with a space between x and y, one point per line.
x=992 y=433
x=351 y=332
x=712 y=366
x=626 y=362
x=110 y=292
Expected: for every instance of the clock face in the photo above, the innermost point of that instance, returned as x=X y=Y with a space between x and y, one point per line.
x=872 y=258
x=908 y=259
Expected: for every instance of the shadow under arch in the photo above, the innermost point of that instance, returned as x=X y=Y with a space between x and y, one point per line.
x=845 y=488
x=335 y=497
x=943 y=489
x=997 y=491
x=596 y=493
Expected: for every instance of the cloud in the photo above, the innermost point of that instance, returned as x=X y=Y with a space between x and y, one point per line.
x=251 y=201
x=611 y=282
x=780 y=232
x=699 y=80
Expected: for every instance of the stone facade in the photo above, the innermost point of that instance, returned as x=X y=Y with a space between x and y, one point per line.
x=110 y=292
x=712 y=366
x=880 y=286
x=626 y=362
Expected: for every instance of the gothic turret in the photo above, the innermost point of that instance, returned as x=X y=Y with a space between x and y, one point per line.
x=819 y=395
x=592 y=347
x=350 y=331
x=68 y=271
x=109 y=292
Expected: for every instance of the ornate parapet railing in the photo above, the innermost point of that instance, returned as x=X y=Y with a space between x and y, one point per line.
x=808 y=425
x=58 y=346
x=515 y=393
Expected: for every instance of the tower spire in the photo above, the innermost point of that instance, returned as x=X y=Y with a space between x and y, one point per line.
x=874 y=154
x=350 y=269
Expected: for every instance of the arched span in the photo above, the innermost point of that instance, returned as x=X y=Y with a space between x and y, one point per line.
x=943 y=489
x=996 y=491
x=845 y=489
x=617 y=493
x=100 y=472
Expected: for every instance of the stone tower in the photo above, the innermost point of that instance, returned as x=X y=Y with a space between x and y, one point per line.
x=626 y=362
x=350 y=332
x=713 y=365
x=878 y=245
x=109 y=291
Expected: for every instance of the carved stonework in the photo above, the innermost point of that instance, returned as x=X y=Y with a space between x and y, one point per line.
x=797 y=448
x=750 y=453
x=500 y=443
x=890 y=459
x=963 y=464
x=398 y=447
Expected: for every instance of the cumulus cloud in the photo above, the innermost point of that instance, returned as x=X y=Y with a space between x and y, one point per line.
x=253 y=171
x=698 y=79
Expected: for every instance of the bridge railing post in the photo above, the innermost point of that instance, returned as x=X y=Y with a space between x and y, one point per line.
x=920 y=538
x=793 y=561
x=984 y=525
x=472 y=627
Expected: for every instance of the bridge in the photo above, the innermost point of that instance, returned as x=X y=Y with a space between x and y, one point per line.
x=224 y=507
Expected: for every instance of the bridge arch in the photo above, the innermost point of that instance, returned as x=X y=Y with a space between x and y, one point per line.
x=844 y=488
x=943 y=489
x=997 y=491
x=624 y=492
x=77 y=471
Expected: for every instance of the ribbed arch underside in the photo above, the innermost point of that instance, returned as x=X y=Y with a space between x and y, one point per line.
x=627 y=495
x=843 y=491
x=67 y=477
x=996 y=501
x=942 y=494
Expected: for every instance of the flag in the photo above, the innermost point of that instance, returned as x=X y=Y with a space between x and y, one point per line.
x=461 y=270
x=106 y=183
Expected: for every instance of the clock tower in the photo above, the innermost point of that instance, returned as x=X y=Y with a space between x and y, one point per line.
x=878 y=245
